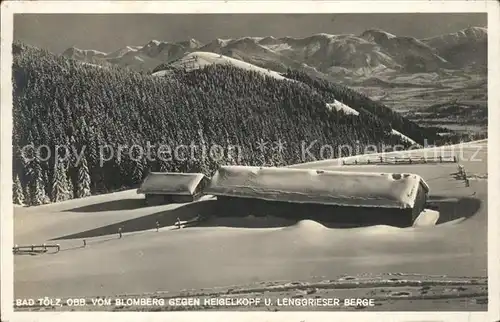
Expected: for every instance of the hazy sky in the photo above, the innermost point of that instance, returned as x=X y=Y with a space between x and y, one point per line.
x=108 y=32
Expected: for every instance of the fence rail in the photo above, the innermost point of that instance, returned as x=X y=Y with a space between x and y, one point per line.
x=34 y=248
x=400 y=160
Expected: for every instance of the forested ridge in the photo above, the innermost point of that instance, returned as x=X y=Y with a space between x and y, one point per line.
x=62 y=102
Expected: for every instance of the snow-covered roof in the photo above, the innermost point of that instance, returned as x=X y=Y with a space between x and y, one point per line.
x=342 y=188
x=171 y=183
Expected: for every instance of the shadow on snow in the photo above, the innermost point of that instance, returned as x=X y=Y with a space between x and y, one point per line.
x=113 y=205
x=449 y=208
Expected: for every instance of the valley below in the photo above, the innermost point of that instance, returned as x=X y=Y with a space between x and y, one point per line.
x=454 y=101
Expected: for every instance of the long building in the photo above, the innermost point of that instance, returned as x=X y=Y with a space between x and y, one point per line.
x=172 y=187
x=326 y=195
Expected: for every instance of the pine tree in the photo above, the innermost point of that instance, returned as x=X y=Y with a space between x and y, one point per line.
x=17 y=191
x=137 y=170
x=70 y=185
x=38 y=196
x=28 y=192
x=59 y=190
x=83 y=184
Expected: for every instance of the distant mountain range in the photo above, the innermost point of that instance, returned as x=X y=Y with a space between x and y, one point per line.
x=369 y=53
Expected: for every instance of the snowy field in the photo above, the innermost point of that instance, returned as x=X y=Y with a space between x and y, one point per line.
x=275 y=256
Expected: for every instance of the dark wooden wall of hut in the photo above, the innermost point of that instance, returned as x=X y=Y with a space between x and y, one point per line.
x=159 y=199
x=228 y=206
x=201 y=186
x=420 y=202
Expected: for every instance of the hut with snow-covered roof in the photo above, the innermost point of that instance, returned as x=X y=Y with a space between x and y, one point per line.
x=320 y=194
x=172 y=187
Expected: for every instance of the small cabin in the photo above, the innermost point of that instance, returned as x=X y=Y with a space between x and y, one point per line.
x=172 y=187
x=319 y=194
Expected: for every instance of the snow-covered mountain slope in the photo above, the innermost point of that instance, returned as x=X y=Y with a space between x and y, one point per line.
x=145 y=57
x=374 y=51
x=412 y=54
x=250 y=49
x=123 y=51
x=404 y=137
x=84 y=54
x=91 y=65
x=200 y=59
x=320 y=52
x=339 y=106
x=468 y=35
x=467 y=47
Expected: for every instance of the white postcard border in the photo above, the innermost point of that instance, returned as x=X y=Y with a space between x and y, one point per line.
x=6 y=218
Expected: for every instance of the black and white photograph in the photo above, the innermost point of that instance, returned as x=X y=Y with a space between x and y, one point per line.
x=323 y=161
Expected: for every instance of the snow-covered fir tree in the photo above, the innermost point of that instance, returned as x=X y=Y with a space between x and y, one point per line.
x=83 y=184
x=38 y=195
x=17 y=191
x=59 y=189
x=70 y=185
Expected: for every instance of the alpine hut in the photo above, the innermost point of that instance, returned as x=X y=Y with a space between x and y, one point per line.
x=172 y=187
x=320 y=194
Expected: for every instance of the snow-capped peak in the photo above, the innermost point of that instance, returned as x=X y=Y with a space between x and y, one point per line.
x=153 y=42
x=471 y=34
x=377 y=35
